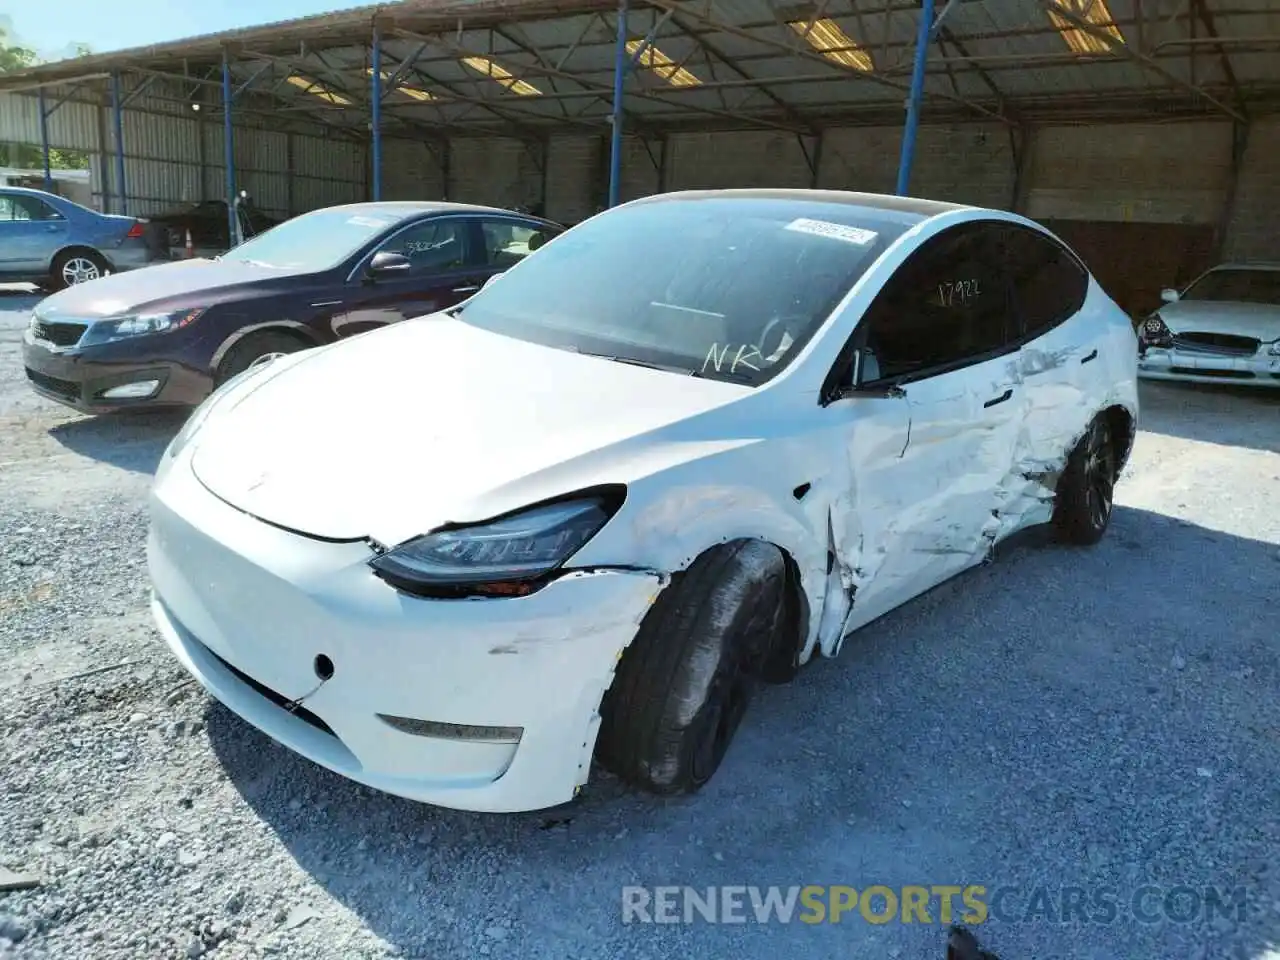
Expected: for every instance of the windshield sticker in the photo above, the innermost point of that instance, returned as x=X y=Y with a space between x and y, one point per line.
x=836 y=231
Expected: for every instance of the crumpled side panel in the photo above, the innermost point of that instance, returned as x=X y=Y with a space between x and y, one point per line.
x=965 y=483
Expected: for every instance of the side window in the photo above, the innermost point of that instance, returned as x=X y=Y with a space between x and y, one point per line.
x=506 y=242
x=1047 y=283
x=41 y=210
x=947 y=303
x=19 y=207
x=432 y=246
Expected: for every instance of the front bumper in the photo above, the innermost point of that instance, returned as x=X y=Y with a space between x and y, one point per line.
x=1261 y=369
x=80 y=378
x=248 y=608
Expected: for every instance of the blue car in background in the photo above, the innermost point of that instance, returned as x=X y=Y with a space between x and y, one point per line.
x=47 y=240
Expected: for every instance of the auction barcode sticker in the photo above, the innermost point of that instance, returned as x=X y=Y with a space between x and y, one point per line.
x=836 y=231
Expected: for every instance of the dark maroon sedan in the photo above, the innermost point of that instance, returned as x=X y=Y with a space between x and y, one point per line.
x=166 y=335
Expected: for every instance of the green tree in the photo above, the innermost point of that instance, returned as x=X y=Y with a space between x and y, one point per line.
x=26 y=155
x=12 y=56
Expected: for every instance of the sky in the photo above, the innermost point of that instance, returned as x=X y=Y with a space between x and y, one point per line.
x=51 y=26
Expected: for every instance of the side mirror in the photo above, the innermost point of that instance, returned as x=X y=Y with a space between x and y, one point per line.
x=385 y=263
x=866 y=368
x=860 y=380
x=864 y=378
x=1169 y=295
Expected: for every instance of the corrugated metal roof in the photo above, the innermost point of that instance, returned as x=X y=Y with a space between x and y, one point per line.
x=528 y=66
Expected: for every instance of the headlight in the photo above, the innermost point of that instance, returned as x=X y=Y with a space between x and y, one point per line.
x=1274 y=349
x=505 y=557
x=201 y=413
x=1154 y=333
x=139 y=325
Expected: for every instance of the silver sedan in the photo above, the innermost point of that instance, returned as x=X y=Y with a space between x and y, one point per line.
x=1224 y=328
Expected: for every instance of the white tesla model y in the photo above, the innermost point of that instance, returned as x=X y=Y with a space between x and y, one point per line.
x=683 y=448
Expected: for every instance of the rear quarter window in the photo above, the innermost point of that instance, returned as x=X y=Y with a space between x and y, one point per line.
x=1048 y=283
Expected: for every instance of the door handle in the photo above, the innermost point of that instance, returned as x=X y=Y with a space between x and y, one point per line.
x=1092 y=356
x=470 y=289
x=1000 y=399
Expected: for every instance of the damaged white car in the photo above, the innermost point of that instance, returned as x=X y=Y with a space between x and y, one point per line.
x=1225 y=327
x=685 y=447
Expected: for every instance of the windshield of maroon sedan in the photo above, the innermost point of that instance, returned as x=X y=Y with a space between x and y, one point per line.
x=727 y=288
x=312 y=242
x=1237 y=286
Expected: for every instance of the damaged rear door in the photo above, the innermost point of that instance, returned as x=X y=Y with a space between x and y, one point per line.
x=941 y=334
x=1060 y=361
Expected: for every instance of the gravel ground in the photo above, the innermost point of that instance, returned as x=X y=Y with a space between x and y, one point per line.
x=1099 y=719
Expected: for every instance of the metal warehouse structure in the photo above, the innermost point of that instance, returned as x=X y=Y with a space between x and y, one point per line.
x=1133 y=125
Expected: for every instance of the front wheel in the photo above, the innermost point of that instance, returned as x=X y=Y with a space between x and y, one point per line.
x=253 y=348
x=683 y=685
x=1082 y=511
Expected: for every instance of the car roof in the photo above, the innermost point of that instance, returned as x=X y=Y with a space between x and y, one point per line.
x=29 y=192
x=411 y=208
x=908 y=209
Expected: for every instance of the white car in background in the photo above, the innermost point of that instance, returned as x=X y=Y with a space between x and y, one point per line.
x=686 y=446
x=1224 y=327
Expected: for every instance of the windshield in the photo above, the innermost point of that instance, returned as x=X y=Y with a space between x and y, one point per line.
x=1237 y=286
x=727 y=288
x=312 y=242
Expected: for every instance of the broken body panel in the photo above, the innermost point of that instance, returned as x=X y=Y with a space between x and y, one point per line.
x=874 y=499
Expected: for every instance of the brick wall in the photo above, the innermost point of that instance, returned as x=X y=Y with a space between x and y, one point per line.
x=410 y=171
x=502 y=172
x=1149 y=173
x=1157 y=173
x=710 y=160
x=1254 y=231
x=573 y=177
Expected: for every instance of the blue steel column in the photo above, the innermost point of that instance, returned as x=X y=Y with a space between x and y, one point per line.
x=228 y=148
x=917 y=94
x=375 y=119
x=44 y=143
x=117 y=109
x=619 y=81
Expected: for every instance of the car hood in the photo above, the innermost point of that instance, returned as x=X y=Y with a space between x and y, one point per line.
x=1258 y=320
x=186 y=282
x=395 y=432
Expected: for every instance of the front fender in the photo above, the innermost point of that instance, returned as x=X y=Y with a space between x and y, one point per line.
x=292 y=326
x=751 y=491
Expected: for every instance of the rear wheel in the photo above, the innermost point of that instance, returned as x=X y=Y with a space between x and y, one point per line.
x=255 y=347
x=1082 y=511
x=77 y=266
x=684 y=684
